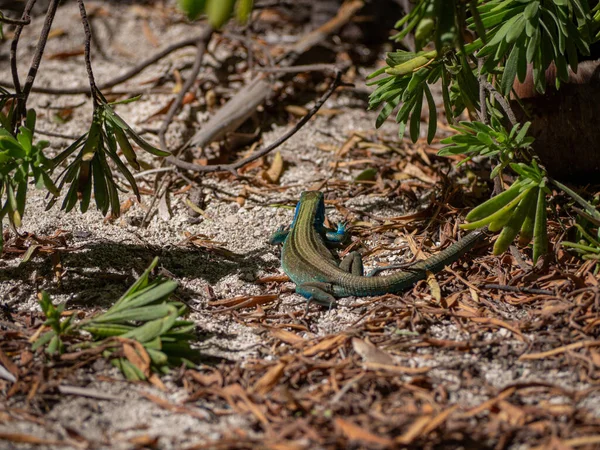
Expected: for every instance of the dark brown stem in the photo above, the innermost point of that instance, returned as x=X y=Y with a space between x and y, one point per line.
x=15 y=43
x=87 y=53
x=503 y=287
x=302 y=68
x=37 y=58
x=233 y=167
x=121 y=78
x=20 y=22
x=202 y=42
x=500 y=99
x=483 y=118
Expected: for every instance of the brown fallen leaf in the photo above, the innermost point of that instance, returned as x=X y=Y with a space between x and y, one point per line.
x=21 y=438
x=286 y=336
x=246 y=301
x=485 y=406
x=425 y=425
x=370 y=353
x=414 y=430
x=414 y=172
x=144 y=441
x=273 y=279
x=160 y=112
x=179 y=409
x=137 y=355
x=355 y=433
x=327 y=344
x=8 y=364
x=273 y=173
x=434 y=287
x=296 y=110
x=350 y=143
x=66 y=54
x=573 y=443
x=149 y=34
x=559 y=350
x=268 y=381
x=397 y=369
x=56 y=32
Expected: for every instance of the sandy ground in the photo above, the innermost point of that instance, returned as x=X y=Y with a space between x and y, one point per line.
x=109 y=255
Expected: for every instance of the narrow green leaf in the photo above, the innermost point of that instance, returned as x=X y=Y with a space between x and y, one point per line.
x=145 y=313
x=157 y=291
x=154 y=328
x=527 y=228
x=495 y=203
x=219 y=12
x=540 y=232
x=495 y=216
x=510 y=70
x=575 y=196
x=432 y=126
x=513 y=226
x=140 y=283
x=100 y=188
x=43 y=340
x=415 y=118
x=145 y=145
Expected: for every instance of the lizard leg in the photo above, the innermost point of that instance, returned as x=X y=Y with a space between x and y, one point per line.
x=353 y=264
x=316 y=292
x=279 y=236
x=338 y=236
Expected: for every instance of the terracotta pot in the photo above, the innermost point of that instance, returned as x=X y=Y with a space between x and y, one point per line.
x=565 y=123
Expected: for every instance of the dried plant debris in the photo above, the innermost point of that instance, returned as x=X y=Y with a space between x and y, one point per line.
x=493 y=352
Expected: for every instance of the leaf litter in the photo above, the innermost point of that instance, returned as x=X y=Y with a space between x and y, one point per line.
x=450 y=361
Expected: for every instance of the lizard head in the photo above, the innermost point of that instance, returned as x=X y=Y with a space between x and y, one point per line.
x=311 y=196
x=311 y=203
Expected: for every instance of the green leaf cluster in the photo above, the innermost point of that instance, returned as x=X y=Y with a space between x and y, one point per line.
x=145 y=313
x=90 y=169
x=436 y=20
x=470 y=43
x=21 y=161
x=587 y=227
x=519 y=210
x=59 y=327
x=511 y=35
x=537 y=32
x=490 y=141
x=408 y=83
x=218 y=11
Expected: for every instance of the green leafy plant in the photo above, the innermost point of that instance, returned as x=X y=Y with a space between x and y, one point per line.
x=145 y=318
x=587 y=242
x=521 y=209
x=90 y=168
x=587 y=227
x=477 y=49
x=58 y=326
x=512 y=32
x=21 y=161
x=478 y=139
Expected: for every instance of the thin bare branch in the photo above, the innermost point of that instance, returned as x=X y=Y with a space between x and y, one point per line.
x=20 y=22
x=500 y=99
x=233 y=167
x=117 y=80
x=87 y=56
x=202 y=41
x=15 y=43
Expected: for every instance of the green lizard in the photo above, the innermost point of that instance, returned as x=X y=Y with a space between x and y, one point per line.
x=306 y=259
